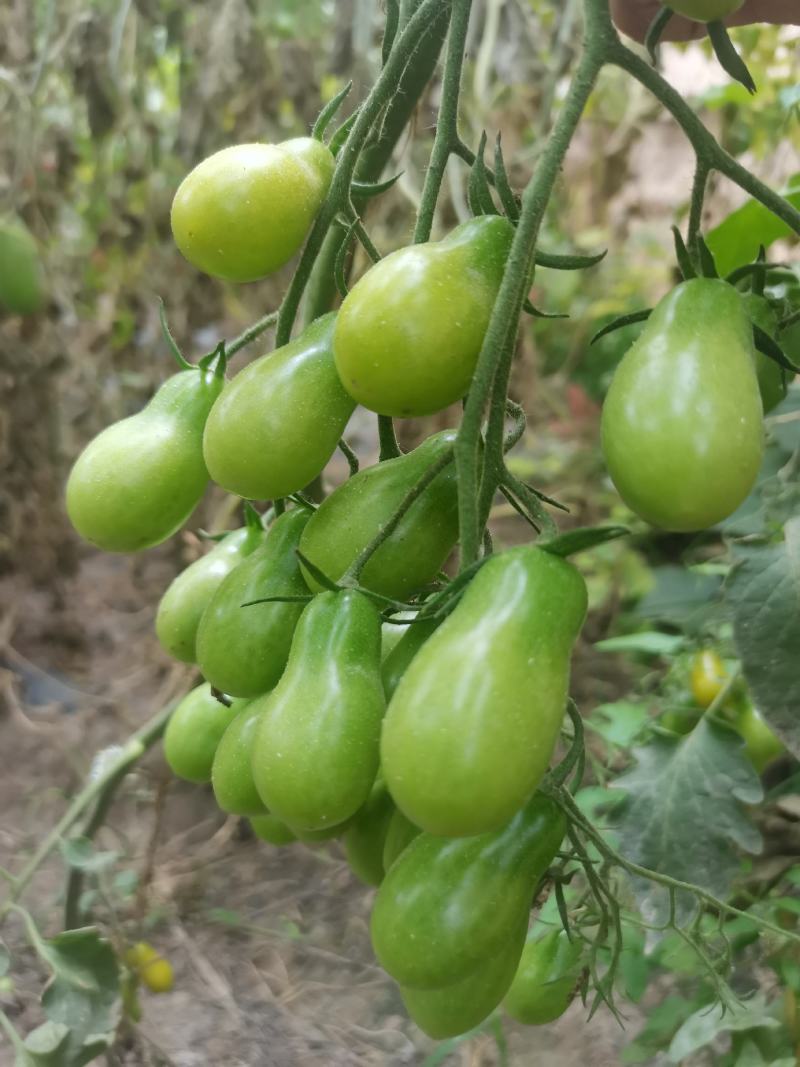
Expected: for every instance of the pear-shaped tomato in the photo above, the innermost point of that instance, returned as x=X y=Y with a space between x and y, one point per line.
x=399 y=833
x=182 y=605
x=682 y=421
x=348 y=520
x=231 y=774
x=244 y=211
x=707 y=676
x=773 y=380
x=365 y=837
x=268 y=828
x=278 y=422
x=446 y=907
x=456 y=1008
x=473 y=723
x=546 y=979
x=243 y=650
x=21 y=284
x=316 y=752
x=705 y=10
x=409 y=332
x=761 y=744
x=193 y=732
x=139 y=480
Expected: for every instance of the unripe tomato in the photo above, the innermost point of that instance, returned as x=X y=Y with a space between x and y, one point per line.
x=707 y=677
x=140 y=955
x=231 y=776
x=21 y=285
x=194 y=731
x=245 y=211
x=273 y=830
x=682 y=425
x=545 y=981
x=409 y=333
x=705 y=10
x=760 y=742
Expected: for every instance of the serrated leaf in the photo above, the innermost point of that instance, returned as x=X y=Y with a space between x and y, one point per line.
x=620 y=722
x=649 y=643
x=684 y=817
x=708 y=1022
x=763 y=592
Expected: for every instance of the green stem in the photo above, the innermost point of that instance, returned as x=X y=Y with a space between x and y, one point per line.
x=494 y=362
x=390 y=449
x=132 y=751
x=251 y=333
x=698 y=198
x=447 y=138
x=338 y=198
x=354 y=571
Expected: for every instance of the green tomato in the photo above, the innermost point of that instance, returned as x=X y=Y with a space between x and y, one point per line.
x=773 y=380
x=182 y=605
x=278 y=422
x=194 y=731
x=243 y=650
x=268 y=828
x=705 y=10
x=707 y=677
x=21 y=284
x=761 y=744
x=396 y=664
x=231 y=776
x=446 y=907
x=365 y=837
x=473 y=723
x=399 y=833
x=545 y=982
x=245 y=211
x=460 y=1007
x=139 y=480
x=682 y=422
x=409 y=332
x=348 y=520
x=315 y=755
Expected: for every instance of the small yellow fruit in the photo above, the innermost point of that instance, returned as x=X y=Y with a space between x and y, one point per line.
x=158 y=976
x=140 y=954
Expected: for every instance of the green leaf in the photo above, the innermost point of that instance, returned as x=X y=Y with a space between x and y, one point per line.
x=737 y=239
x=619 y=723
x=708 y=1022
x=662 y=1022
x=684 y=814
x=583 y=538
x=46 y=1046
x=79 y=852
x=679 y=595
x=649 y=643
x=763 y=592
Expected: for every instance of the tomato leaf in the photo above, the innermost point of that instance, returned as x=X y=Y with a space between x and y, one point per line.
x=737 y=239
x=710 y=1021
x=683 y=794
x=763 y=592
x=583 y=538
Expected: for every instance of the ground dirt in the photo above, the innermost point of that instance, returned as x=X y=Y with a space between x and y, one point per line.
x=270 y=946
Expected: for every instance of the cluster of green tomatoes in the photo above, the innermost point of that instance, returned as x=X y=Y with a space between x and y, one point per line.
x=422 y=749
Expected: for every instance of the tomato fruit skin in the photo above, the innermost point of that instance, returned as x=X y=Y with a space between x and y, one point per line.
x=409 y=332
x=315 y=754
x=186 y=598
x=277 y=424
x=400 y=832
x=348 y=520
x=447 y=906
x=137 y=482
x=158 y=976
x=761 y=744
x=707 y=677
x=242 y=651
x=682 y=427
x=268 y=828
x=21 y=284
x=194 y=731
x=773 y=380
x=365 y=837
x=467 y=738
x=705 y=10
x=231 y=774
x=397 y=661
x=545 y=982
x=456 y=1008
x=245 y=211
